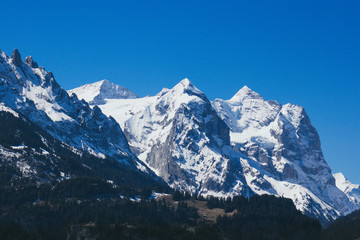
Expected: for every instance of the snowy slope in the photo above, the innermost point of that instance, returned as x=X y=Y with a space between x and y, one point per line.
x=179 y=136
x=243 y=145
x=32 y=91
x=30 y=155
x=96 y=93
x=351 y=190
x=285 y=151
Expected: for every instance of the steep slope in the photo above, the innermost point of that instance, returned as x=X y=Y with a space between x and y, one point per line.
x=351 y=190
x=285 y=153
x=29 y=155
x=96 y=93
x=32 y=91
x=241 y=146
x=179 y=136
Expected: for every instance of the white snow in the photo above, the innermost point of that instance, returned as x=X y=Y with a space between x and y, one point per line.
x=45 y=101
x=256 y=125
x=351 y=190
x=18 y=147
x=148 y=124
x=25 y=168
x=156 y=195
x=7 y=109
x=88 y=91
x=102 y=89
x=8 y=154
x=150 y=120
x=34 y=93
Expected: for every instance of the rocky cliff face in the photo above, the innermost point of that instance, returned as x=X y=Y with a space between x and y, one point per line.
x=32 y=91
x=31 y=156
x=244 y=145
x=286 y=151
x=179 y=136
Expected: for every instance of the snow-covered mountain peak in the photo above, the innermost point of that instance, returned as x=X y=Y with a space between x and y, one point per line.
x=96 y=93
x=30 y=62
x=282 y=141
x=239 y=146
x=34 y=93
x=178 y=134
x=339 y=177
x=187 y=87
x=343 y=183
x=185 y=84
x=21 y=75
x=245 y=93
x=106 y=83
x=352 y=191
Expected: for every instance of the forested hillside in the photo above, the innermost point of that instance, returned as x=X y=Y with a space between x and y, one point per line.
x=89 y=207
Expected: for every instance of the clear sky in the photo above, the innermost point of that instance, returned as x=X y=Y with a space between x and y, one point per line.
x=303 y=52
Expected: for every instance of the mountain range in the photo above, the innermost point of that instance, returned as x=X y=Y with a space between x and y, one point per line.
x=242 y=146
x=48 y=135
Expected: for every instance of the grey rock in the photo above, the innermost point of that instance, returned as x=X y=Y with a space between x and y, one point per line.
x=16 y=57
x=284 y=147
x=66 y=118
x=29 y=61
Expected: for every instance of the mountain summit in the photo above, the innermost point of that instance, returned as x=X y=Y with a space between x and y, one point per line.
x=284 y=152
x=16 y=57
x=178 y=134
x=351 y=190
x=96 y=93
x=32 y=92
x=245 y=92
x=245 y=145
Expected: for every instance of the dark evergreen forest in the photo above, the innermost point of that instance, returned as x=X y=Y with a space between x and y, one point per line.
x=92 y=208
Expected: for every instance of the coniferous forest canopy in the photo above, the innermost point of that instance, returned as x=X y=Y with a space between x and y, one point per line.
x=90 y=207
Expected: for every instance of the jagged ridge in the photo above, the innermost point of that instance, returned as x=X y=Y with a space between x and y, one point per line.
x=277 y=150
x=32 y=91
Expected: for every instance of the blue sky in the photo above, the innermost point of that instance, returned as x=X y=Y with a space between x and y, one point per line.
x=303 y=52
